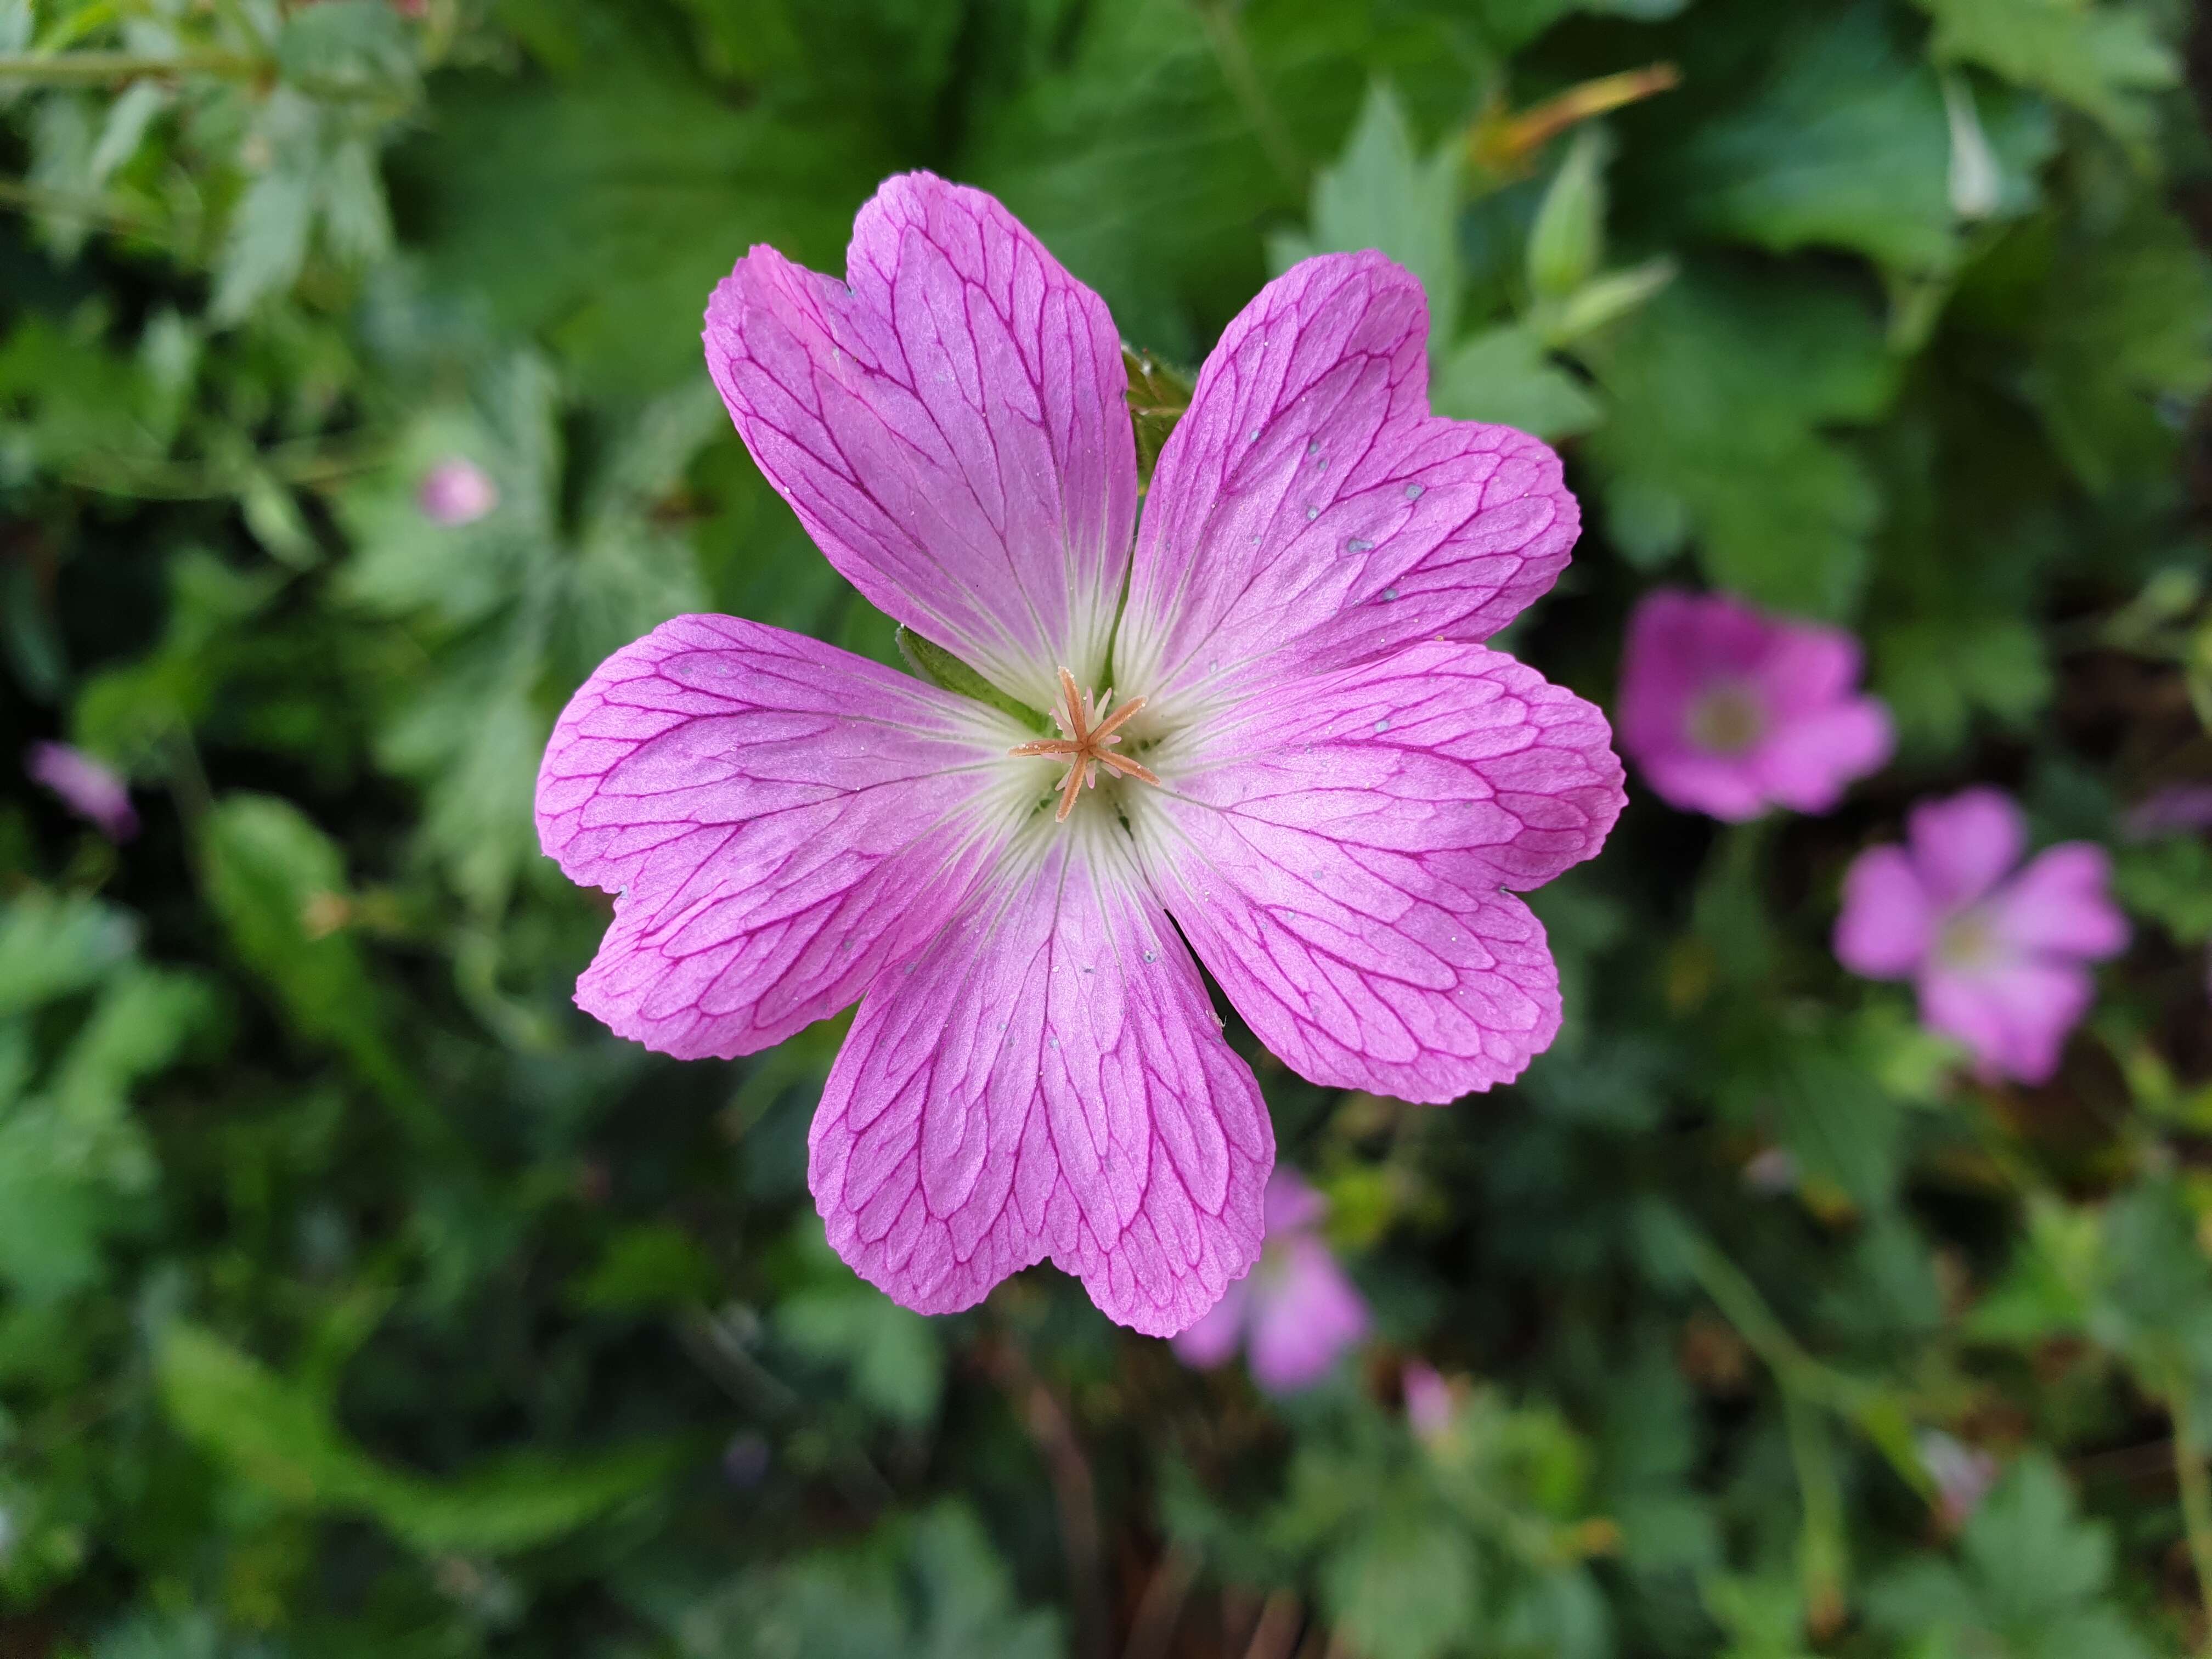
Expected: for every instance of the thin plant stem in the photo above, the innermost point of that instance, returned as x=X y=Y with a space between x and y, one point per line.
x=1235 y=57
x=89 y=68
x=1820 y=1559
x=2195 y=1489
x=1075 y=1493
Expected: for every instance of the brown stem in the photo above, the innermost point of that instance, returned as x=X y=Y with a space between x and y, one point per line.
x=1277 y=1632
x=1074 y=1493
x=1161 y=1606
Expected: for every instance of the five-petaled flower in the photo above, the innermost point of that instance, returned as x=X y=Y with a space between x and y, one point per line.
x=1727 y=710
x=1324 y=784
x=1999 y=955
x=1299 y=1309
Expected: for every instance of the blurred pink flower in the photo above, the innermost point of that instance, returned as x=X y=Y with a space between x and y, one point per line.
x=457 y=491
x=1728 y=710
x=89 y=789
x=1295 y=1312
x=2177 y=809
x=1999 y=954
x=1963 y=1475
x=1317 y=780
x=1429 y=1406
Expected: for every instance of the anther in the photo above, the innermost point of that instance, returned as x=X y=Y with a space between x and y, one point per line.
x=1091 y=734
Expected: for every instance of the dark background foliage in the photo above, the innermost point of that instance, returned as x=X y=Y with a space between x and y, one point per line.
x=359 y=1297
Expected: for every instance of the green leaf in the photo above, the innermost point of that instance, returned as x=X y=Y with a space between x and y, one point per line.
x=1722 y=392
x=1381 y=193
x=1567 y=242
x=2169 y=882
x=1403 y=1588
x=2101 y=58
x=574 y=218
x=1842 y=143
x=1506 y=375
x=348 y=48
x=268 y=868
x=266 y=248
x=54 y=945
x=276 y=1437
x=645 y=1268
x=894 y=1357
x=928 y=1585
x=1155 y=141
x=1937 y=674
x=2124 y=343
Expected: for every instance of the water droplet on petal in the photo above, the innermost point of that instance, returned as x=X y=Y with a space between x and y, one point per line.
x=1312 y=513
x=1151 y=956
x=1052 y=1042
x=1313 y=448
x=1389 y=593
x=1383 y=725
x=1413 y=492
x=1356 y=545
x=1253 y=437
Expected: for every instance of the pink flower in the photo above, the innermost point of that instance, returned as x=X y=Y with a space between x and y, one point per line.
x=1998 y=954
x=89 y=789
x=1430 y=1406
x=1307 y=759
x=1963 y=1475
x=1296 y=1313
x=1728 y=711
x=455 y=492
x=2177 y=809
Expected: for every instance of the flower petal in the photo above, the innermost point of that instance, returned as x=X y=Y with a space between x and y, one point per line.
x=2015 y=1018
x=1889 y=922
x=1305 y=1312
x=1965 y=843
x=1046 y=1078
x=2061 y=903
x=1309 y=512
x=952 y=427
x=1213 y=1342
x=1334 y=851
x=778 y=819
x=1808 y=763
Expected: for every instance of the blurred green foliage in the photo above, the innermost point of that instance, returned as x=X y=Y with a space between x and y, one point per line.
x=358 y=1296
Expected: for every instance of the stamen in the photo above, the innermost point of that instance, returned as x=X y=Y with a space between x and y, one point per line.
x=1087 y=742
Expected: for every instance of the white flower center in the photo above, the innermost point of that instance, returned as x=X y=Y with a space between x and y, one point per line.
x=1089 y=735
x=1967 y=942
x=1728 y=720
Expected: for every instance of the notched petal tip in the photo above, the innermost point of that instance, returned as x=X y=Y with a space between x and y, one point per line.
x=1044 y=1080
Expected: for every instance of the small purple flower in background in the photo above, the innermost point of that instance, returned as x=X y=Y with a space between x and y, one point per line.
x=2179 y=809
x=1308 y=765
x=1999 y=953
x=89 y=789
x=455 y=492
x=1728 y=711
x=1297 y=1312
x=1963 y=1475
x=1430 y=1406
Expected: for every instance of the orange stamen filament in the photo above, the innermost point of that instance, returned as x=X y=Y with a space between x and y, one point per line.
x=1088 y=743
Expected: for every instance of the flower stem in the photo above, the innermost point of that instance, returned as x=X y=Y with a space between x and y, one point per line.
x=1235 y=57
x=2195 y=1489
x=80 y=68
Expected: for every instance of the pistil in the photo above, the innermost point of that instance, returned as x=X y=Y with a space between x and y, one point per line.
x=1091 y=733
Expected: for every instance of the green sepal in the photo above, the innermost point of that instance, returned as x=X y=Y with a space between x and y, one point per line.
x=1157 y=397
x=934 y=663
